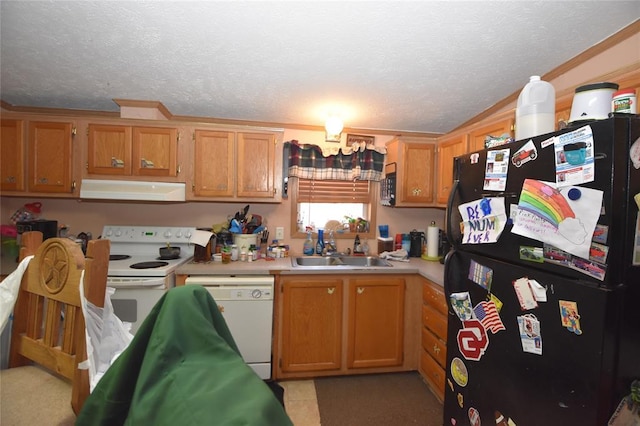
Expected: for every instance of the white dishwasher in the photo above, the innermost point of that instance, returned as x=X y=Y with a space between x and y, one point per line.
x=246 y=303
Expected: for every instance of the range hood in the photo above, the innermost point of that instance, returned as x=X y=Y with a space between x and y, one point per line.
x=131 y=190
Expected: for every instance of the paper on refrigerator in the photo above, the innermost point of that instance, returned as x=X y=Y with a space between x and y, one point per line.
x=483 y=220
x=563 y=217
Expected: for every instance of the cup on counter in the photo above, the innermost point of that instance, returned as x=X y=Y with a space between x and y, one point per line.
x=226 y=255
x=384 y=231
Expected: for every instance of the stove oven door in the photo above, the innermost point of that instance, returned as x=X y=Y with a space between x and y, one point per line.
x=134 y=297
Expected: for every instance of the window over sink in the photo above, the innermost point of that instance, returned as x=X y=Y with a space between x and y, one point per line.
x=333 y=205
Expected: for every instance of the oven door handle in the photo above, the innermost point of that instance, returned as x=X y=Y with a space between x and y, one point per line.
x=134 y=282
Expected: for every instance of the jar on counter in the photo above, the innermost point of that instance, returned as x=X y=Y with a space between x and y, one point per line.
x=234 y=252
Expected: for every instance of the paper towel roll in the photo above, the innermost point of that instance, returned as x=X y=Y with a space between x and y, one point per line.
x=432 y=241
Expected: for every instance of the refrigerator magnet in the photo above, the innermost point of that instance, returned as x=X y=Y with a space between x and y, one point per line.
x=472 y=340
x=474 y=417
x=459 y=372
x=531 y=254
x=600 y=234
x=525 y=295
x=481 y=275
x=570 y=316
x=495 y=177
x=461 y=305
x=488 y=316
x=530 y=337
x=525 y=154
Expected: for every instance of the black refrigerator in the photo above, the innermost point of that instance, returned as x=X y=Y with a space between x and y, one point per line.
x=543 y=278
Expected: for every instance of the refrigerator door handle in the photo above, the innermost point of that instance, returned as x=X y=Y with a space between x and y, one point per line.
x=450 y=213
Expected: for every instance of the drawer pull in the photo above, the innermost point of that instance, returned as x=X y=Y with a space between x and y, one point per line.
x=360 y=290
x=436 y=349
x=330 y=290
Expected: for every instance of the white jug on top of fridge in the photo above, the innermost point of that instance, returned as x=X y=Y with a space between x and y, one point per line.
x=536 y=109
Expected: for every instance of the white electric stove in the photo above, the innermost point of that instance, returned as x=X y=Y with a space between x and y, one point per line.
x=137 y=272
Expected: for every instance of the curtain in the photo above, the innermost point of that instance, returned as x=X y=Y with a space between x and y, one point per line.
x=308 y=162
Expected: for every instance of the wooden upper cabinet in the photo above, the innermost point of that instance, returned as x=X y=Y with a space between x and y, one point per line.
x=496 y=129
x=132 y=151
x=50 y=157
x=256 y=165
x=214 y=161
x=109 y=150
x=235 y=165
x=448 y=149
x=155 y=151
x=413 y=162
x=12 y=155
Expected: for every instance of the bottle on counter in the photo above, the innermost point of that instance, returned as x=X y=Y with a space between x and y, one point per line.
x=307 y=248
x=234 y=252
x=320 y=242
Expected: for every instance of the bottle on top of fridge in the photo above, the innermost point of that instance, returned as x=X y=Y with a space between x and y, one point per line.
x=536 y=109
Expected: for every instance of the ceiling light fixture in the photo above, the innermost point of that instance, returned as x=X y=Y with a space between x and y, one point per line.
x=333 y=129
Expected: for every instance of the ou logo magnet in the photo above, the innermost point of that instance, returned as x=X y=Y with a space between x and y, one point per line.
x=472 y=340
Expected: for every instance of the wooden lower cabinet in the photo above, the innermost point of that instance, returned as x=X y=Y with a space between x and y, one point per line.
x=336 y=325
x=311 y=324
x=433 y=353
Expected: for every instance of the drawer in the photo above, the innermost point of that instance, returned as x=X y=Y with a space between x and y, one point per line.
x=434 y=296
x=433 y=373
x=434 y=346
x=434 y=321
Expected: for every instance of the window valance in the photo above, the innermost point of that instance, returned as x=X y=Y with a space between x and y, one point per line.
x=358 y=163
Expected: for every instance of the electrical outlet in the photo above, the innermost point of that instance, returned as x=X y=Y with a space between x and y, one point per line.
x=279 y=233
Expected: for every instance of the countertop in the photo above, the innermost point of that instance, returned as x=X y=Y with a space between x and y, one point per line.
x=433 y=271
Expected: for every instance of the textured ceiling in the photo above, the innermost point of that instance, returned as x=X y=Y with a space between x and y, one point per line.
x=424 y=66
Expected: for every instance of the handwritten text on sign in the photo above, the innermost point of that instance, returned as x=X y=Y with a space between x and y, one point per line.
x=483 y=220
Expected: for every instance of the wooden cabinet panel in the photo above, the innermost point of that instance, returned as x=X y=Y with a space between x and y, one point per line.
x=256 y=163
x=109 y=150
x=214 y=164
x=155 y=151
x=50 y=159
x=311 y=324
x=117 y=150
x=433 y=373
x=435 y=321
x=436 y=347
x=413 y=161
x=433 y=295
x=448 y=149
x=417 y=179
x=235 y=165
x=12 y=155
x=433 y=360
x=376 y=322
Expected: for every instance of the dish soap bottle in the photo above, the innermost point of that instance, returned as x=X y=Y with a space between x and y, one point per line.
x=320 y=242
x=307 y=248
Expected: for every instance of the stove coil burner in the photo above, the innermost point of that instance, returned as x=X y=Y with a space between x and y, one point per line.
x=148 y=265
x=119 y=256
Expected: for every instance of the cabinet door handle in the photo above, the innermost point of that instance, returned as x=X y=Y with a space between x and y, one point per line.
x=330 y=290
x=146 y=163
x=116 y=162
x=360 y=290
x=436 y=349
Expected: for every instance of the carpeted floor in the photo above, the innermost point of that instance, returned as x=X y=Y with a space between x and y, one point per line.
x=377 y=400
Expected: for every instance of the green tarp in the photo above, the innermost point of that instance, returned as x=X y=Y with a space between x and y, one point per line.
x=182 y=368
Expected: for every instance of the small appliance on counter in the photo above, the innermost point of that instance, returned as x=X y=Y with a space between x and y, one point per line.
x=417 y=239
x=49 y=228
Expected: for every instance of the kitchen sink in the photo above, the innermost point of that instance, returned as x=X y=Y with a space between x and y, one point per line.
x=339 y=261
